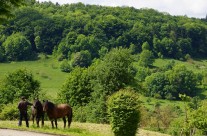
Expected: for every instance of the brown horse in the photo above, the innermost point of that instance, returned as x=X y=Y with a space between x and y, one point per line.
x=37 y=112
x=58 y=111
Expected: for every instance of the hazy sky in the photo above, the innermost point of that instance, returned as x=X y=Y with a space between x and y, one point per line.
x=191 y=8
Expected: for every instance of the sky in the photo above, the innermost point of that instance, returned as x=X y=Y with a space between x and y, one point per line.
x=190 y=8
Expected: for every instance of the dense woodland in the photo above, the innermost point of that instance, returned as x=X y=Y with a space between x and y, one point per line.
x=104 y=50
x=91 y=30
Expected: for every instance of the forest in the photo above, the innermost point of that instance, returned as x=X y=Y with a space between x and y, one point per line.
x=107 y=51
x=76 y=29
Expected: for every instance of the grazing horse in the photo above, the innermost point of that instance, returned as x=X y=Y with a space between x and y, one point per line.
x=58 y=111
x=37 y=112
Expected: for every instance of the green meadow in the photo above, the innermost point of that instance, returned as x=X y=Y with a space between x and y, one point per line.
x=45 y=70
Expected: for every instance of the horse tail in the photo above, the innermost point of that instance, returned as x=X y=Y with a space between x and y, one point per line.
x=70 y=115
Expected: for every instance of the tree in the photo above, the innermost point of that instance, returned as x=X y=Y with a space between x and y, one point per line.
x=17 y=47
x=6 y=8
x=157 y=85
x=124 y=114
x=173 y=82
x=81 y=59
x=146 y=58
x=114 y=72
x=109 y=75
x=76 y=90
x=183 y=81
x=19 y=83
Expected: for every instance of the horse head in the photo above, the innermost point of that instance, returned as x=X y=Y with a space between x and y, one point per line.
x=47 y=105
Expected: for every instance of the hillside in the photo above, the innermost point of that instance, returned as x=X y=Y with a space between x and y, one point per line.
x=46 y=71
x=77 y=29
x=98 y=51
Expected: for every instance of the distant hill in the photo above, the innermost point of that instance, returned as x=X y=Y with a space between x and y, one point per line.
x=65 y=30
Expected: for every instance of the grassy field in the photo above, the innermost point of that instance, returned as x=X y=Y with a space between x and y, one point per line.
x=77 y=129
x=46 y=71
x=195 y=65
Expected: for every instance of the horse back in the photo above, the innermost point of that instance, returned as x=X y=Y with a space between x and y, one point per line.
x=62 y=110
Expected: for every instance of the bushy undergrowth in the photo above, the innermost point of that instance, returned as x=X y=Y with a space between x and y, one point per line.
x=9 y=112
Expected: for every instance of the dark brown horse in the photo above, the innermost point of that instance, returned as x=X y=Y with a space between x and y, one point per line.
x=37 y=112
x=58 y=111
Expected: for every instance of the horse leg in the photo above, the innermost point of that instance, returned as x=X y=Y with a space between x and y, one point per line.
x=64 y=120
x=56 y=123
x=42 y=120
x=52 y=123
x=33 y=119
x=37 y=121
x=70 y=115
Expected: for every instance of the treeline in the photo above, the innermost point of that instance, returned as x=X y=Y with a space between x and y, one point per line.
x=72 y=30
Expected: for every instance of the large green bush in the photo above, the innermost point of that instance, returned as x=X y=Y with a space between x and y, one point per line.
x=18 y=83
x=170 y=84
x=124 y=114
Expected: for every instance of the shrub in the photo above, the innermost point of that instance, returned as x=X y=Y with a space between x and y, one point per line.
x=9 y=112
x=65 y=66
x=124 y=114
x=18 y=83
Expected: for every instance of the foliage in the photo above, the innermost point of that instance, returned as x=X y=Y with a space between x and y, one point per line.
x=114 y=72
x=109 y=75
x=198 y=118
x=97 y=108
x=81 y=59
x=68 y=29
x=6 y=7
x=76 y=90
x=124 y=114
x=17 y=47
x=9 y=112
x=146 y=58
x=19 y=83
x=90 y=87
x=65 y=66
x=157 y=84
x=142 y=73
x=184 y=81
x=173 y=82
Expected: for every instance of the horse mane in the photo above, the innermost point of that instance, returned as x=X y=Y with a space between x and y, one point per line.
x=50 y=105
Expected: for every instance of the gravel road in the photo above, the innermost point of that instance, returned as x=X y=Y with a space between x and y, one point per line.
x=10 y=132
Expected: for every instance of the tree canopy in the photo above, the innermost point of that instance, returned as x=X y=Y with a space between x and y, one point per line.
x=64 y=30
x=6 y=8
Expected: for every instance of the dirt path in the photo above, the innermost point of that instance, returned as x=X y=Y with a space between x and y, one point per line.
x=10 y=132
